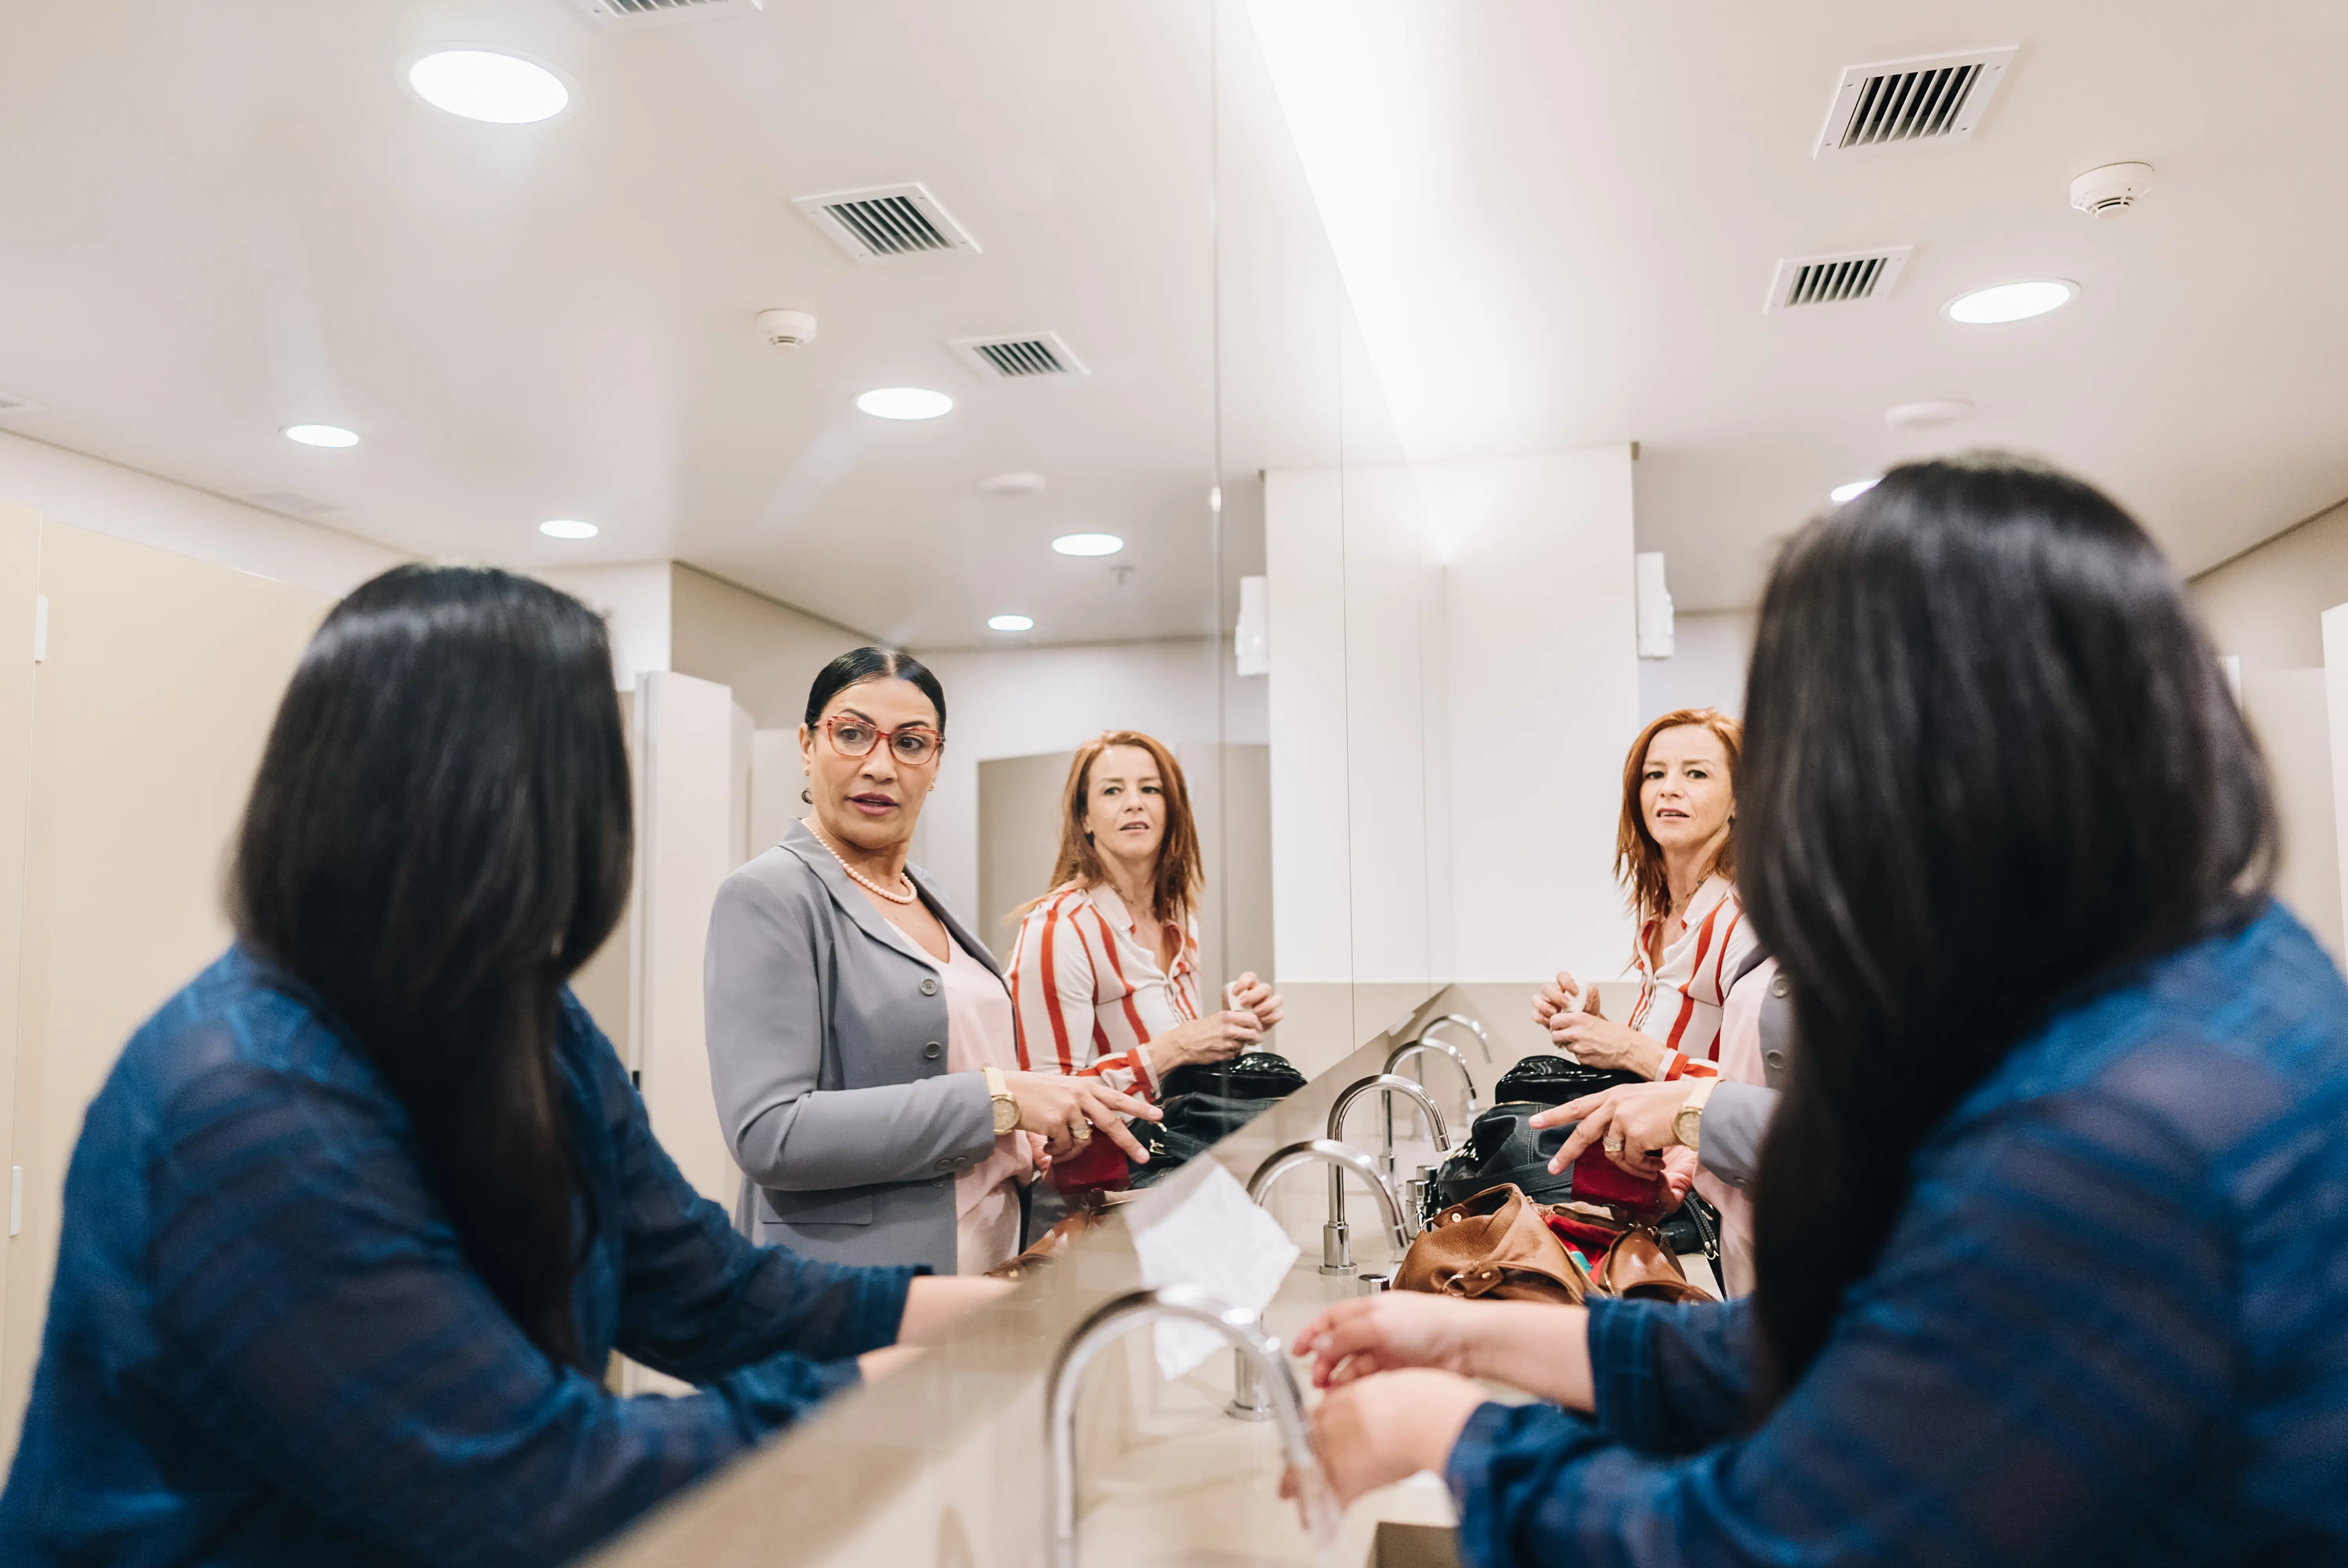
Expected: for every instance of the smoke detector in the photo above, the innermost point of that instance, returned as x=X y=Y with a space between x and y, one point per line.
x=2112 y=189
x=786 y=328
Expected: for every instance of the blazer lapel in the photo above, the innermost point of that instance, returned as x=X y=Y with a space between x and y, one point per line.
x=844 y=892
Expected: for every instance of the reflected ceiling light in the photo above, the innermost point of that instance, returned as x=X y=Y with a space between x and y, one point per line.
x=1013 y=484
x=1852 y=490
x=566 y=528
x=1088 y=544
x=321 y=435
x=904 y=403
x=1924 y=416
x=486 y=85
x=1010 y=622
x=2011 y=302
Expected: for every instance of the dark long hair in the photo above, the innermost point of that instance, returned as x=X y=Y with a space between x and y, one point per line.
x=858 y=665
x=438 y=838
x=1991 y=763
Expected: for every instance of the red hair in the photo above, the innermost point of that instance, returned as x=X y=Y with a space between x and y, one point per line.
x=1180 y=875
x=1638 y=858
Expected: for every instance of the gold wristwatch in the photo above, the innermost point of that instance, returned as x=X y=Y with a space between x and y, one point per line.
x=1687 y=1125
x=1006 y=1104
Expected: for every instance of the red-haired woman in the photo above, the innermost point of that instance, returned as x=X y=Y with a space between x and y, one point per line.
x=1676 y=849
x=1105 y=974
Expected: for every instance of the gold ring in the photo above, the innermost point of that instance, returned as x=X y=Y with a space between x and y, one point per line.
x=1614 y=1144
x=1084 y=1131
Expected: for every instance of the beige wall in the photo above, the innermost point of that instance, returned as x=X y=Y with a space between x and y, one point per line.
x=147 y=717
x=2265 y=606
x=765 y=650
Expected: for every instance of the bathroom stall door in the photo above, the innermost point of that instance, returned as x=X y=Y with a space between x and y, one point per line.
x=20 y=556
x=149 y=709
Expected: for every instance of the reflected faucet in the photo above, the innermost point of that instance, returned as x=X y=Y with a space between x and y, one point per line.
x=1336 y=1239
x=1483 y=1040
x=1259 y=1354
x=1425 y=1046
x=1336 y=1253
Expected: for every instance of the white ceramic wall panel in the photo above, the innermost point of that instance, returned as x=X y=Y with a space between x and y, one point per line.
x=1017 y=702
x=104 y=497
x=1544 y=699
x=686 y=847
x=1448 y=728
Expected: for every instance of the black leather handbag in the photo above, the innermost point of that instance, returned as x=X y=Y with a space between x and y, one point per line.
x=1553 y=1081
x=1504 y=1149
x=1206 y=1102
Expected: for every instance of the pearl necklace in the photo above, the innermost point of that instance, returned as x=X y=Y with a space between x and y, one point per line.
x=861 y=880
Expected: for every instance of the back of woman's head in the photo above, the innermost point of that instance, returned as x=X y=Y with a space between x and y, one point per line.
x=1990 y=763
x=437 y=837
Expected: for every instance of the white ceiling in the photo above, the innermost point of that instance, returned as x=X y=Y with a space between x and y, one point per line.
x=1557 y=220
x=224 y=218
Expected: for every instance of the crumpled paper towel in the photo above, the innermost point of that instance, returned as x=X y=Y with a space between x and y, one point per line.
x=1205 y=1232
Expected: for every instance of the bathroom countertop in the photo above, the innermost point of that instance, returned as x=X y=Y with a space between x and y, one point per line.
x=943 y=1464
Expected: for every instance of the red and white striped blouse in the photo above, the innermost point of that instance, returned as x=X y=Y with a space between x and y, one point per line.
x=1089 y=992
x=1680 y=998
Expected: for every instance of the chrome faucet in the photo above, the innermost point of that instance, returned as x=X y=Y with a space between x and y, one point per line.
x=1257 y=1352
x=1483 y=1040
x=1336 y=1239
x=1425 y=1046
x=1336 y=1254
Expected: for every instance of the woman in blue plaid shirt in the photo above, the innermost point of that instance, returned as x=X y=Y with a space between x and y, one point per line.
x=2052 y=1222
x=361 y=1214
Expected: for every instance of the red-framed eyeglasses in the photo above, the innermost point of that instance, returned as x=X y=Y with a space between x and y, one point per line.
x=910 y=744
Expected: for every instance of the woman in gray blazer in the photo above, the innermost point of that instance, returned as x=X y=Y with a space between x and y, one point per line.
x=861 y=1042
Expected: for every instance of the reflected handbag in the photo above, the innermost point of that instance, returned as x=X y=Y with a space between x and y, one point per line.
x=1495 y=1246
x=1504 y=1149
x=1203 y=1104
x=1554 y=1081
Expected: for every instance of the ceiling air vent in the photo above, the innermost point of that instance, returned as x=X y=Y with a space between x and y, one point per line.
x=1936 y=97
x=1020 y=357
x=1844 y=279
x=887 y=223
x=618 y=13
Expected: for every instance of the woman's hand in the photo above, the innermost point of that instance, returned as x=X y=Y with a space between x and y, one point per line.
x=1559 y=996
x=1390 y=1330
x=1039 y=1148
x=1217 y=1037
x=1639 y=1113
x=1067 y=1110
x=1250 y=995
x=1600 y=1042
x=1384 y=1429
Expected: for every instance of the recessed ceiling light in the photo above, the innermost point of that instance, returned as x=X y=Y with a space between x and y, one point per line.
x=567 y=527
x=488 y=85
x=1088 y=544
x=904 y=403
x=321 y=435
x=2011 y=302
x=1922 y=416
x=1857 y=487
x=1013 y=484
x=1009 y=623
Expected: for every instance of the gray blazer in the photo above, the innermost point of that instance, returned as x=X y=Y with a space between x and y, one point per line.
x=826 y=1053
x=1736 y=1120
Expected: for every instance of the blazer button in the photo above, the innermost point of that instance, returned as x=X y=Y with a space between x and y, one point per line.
x=963 y=1163
x=937 y=1181
x=929 y=985
x=1775 y=1059
x=946 y=1164
x=1779 y=987
x=934 y=1050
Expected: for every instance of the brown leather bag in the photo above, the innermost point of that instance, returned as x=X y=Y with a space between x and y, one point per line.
x=1638 y=1267
x=1495 y=1246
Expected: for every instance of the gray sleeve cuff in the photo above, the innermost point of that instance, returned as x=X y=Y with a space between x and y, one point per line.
x=1735 y=1121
